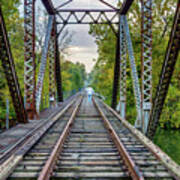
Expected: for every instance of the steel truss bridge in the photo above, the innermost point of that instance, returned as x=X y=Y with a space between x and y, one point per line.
x=77 y=138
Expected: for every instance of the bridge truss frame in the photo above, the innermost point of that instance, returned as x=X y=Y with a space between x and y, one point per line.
x=143 y=96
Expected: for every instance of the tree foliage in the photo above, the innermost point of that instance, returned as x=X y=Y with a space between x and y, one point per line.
x=102 y=74
x=73 y=74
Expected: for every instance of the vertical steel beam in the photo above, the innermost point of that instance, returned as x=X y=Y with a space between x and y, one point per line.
x=43 y=62
x=146 y=61
x=123 y=60
x=116 y=70
x=58 y=70
x=136 y=86
x=52 y=48
x=171 y=57
x=10 y=73
x=29 y=57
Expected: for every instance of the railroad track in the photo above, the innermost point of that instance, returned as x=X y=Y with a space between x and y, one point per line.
x=90 y=141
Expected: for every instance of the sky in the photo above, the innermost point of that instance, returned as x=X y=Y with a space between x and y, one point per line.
x=82 y=47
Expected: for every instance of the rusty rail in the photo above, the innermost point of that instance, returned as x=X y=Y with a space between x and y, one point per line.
x=7 y=167
x=134 y=171
x=163 y=157
x=51 y=162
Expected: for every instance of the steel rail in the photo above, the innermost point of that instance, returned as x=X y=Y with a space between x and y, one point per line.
x=134 y=171
x=19 y=143
x=51 y=162
x=159 y=154
x=10 y=164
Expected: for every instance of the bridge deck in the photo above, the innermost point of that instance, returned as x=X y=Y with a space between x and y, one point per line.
x=91 y=146
x=14 y=135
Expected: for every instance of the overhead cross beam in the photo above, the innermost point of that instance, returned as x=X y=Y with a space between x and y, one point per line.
x=82 y=16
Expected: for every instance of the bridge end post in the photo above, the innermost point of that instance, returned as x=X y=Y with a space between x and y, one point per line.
x=29 y=58
x=116 y=69
x=58 y=68
x=146 y=62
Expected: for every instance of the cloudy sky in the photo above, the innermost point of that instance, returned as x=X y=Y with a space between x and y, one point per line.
x=82 y=48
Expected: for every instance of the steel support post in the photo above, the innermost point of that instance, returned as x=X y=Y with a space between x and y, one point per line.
x=52 y=47
x=10 y=73
x=146 y=61
x=123 y=60
x=166 y=74
x=116 y=70
x=58 y=69
x=43 y=62
x=29 y=57
x=136 y=86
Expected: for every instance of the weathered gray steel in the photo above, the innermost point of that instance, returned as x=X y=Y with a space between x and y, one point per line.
x=146 y=61
x=10 y=73
x=123 y=61
x=52 y=58
x=43 y=63
x=166 y=74
x=136 y=86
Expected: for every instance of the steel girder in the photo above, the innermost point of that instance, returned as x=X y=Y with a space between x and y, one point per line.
x=136 y=86
x=84 y=16
x=146 y=61
x=49 y=6
x=58 y=70
x=43 y=62
x=10 y=73
x=29 y=57
x=126 y=6
x=166 y=74
x=116 y=70
x=52 y=53
x=123 y=61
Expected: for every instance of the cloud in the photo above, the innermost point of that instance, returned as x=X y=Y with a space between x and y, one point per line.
x=84 y=55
